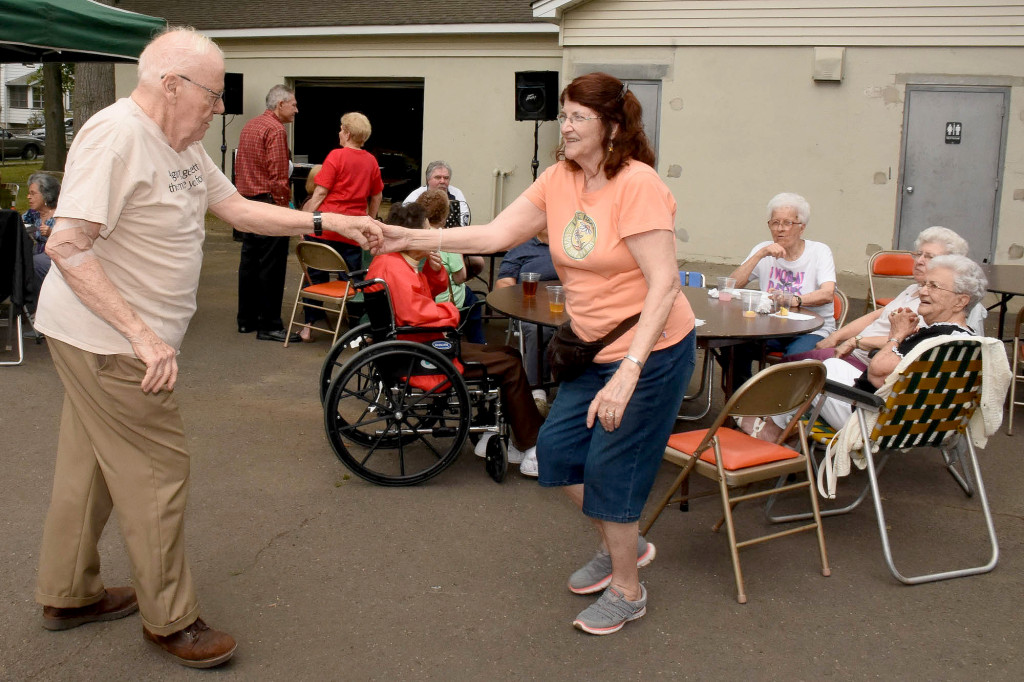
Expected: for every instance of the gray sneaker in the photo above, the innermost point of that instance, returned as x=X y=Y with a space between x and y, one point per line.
x=596 y=574
x=610 y=612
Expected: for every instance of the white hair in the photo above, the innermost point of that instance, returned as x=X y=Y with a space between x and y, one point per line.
x=176 y=49
x=968 y=277
x=950 y=241
x=278 y=94
x=790 y=200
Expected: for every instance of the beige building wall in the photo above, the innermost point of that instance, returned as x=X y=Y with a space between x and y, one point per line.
x=469 y=89
x=739 y=124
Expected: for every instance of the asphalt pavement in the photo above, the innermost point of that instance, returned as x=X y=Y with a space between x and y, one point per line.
x=320 y=575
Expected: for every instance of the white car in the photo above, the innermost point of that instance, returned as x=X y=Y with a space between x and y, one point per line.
x=69 y=129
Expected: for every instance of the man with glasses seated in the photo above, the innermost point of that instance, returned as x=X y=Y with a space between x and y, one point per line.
x=855 y=340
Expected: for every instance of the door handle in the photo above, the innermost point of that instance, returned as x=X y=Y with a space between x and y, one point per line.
x=910 y=189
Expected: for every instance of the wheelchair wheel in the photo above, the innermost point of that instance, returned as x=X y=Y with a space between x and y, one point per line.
x=357 y=339
x=397 y=413
x=496 y=459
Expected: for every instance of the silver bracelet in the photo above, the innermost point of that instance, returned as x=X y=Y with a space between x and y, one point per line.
x=632 y=359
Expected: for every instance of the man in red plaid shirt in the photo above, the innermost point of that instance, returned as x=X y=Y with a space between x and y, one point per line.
x=261 y=174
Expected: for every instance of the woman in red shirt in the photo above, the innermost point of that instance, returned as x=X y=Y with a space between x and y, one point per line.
x=348 y=183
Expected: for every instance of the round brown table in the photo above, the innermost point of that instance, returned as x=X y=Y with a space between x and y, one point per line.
x=1007 y=281
x=724 y=323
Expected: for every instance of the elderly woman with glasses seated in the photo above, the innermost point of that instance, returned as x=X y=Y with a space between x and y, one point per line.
x=800 y=269
x=952 y=285
x=870 y=332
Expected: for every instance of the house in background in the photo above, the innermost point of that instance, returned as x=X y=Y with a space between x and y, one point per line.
x=889 y=117
x=19 y=100
x=437 y=81
x=845 y=102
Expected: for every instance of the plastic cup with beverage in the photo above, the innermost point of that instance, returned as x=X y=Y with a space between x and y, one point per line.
x=751 y=299
x=556 y=300
x=781 y=300
x=530 y=280
x=725 y=288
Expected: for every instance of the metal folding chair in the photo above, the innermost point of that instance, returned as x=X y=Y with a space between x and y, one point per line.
x=930 y=405
x=736 y=460
x=1018 y=368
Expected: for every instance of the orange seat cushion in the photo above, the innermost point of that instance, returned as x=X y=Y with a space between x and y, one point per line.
x=882 y=302
x=334 y=289
x=739 y=451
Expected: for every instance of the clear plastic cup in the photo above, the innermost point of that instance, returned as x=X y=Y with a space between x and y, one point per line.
x=751 y=299
x=530 y=280
x=556 y=299
x=726 y=285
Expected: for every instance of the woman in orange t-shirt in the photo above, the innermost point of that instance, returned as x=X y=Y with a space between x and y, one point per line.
x=611 y=223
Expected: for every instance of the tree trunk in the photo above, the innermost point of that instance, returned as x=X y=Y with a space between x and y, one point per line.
x=94 y=90
x=94 y=87
x=53 y=114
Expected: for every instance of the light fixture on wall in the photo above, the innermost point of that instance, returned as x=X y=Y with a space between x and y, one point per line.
x=828 y=63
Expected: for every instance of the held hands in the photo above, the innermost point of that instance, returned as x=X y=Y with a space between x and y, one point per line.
x=902 y=323
x=161 y=362
x=393 y=238
x=363 y=230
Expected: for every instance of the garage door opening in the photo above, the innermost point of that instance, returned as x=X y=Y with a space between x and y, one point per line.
x=395 y=110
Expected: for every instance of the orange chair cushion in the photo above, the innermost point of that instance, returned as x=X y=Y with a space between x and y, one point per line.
x=894 y=265
x=882 y=302
x=334 y=289
x=739 y=451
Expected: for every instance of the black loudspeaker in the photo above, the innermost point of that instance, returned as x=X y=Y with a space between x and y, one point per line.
x=232 y=93
x=536 y=95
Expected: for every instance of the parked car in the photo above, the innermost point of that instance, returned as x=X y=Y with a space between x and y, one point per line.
x=69 y=129
x=25 y=146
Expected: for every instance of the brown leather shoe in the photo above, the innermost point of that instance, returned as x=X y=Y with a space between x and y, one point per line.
x=117 y=602
x=196 y=646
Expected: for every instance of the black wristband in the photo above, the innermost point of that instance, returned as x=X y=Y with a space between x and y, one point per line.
x=318 y=224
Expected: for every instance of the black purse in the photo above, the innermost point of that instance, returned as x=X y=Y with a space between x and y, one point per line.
x=569 y=355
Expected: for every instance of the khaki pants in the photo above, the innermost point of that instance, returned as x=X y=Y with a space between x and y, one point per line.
x=119 y=448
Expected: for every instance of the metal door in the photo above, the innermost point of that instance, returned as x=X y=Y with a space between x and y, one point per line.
x=953 y=144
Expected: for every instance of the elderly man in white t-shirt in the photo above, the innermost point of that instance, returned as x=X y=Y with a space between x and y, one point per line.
x=439 y=176
x=127 y=246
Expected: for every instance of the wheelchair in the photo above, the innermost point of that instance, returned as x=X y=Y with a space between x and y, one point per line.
x=398 y=411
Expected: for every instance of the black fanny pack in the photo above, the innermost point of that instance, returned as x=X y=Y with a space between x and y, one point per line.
x=569 y=355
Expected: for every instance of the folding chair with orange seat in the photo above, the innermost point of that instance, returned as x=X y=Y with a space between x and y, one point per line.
x=324 y=258
x=736 y=460
x=887 y=265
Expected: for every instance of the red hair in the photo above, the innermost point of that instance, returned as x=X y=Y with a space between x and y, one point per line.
x=615 y=104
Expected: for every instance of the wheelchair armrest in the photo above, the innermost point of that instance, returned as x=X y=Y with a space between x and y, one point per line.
x=852 y=395
x=426 y=330
x=357 y=275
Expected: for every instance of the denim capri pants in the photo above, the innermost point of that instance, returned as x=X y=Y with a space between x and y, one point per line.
x=616 y=468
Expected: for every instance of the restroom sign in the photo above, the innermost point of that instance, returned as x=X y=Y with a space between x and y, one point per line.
x=953 y=129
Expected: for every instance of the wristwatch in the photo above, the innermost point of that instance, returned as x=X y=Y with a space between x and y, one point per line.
x=799 y=301
x=856 y=341
x=318 y=224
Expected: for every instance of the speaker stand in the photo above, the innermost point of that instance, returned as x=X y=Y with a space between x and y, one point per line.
x=535 y=164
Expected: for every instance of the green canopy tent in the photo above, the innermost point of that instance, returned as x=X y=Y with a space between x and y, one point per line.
x=72 y=31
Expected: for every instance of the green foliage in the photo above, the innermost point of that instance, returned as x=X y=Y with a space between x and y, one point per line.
x=67 y=77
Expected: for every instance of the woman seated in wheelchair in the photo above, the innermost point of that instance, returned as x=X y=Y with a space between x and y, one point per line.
x=460 y=268
x=953 y=285
x=412 y=294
